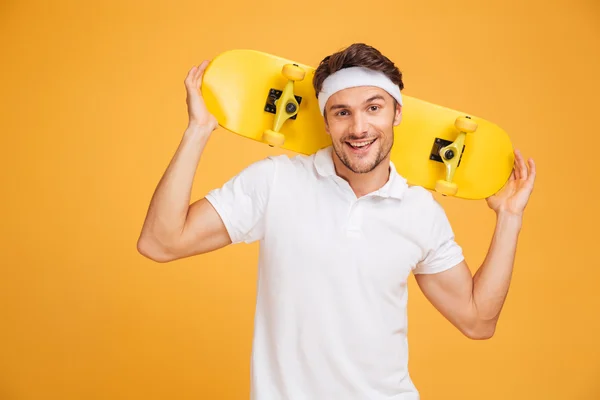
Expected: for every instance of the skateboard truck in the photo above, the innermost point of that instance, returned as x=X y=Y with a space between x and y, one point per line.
x=451 y=155
x=288 y=105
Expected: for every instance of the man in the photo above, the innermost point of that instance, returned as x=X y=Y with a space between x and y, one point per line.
x=340 y=232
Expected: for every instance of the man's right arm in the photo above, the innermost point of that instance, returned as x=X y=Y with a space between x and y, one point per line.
x=173 y=228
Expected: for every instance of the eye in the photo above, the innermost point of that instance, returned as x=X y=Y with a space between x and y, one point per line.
x=374 y=108
x=341 y=113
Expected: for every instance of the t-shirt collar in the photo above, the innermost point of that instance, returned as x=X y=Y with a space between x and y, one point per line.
x=394 y=187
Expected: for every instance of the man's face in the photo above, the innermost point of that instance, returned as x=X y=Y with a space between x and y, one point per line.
x=361 y=123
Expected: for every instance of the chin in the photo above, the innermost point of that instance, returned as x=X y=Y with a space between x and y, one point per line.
x=363 y=168
x=361 y=164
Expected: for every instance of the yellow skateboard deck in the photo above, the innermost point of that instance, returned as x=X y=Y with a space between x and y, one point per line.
x=271 y=99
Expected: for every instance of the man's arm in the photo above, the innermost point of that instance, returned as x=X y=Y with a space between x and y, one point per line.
x=473 y=303
x=173 y=228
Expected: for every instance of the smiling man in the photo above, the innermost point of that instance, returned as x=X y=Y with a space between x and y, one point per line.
x=340 y=232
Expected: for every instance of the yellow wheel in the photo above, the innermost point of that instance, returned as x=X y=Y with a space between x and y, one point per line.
x=446 y=188
x=465 y=124
x=293 y=72
x=273 y=138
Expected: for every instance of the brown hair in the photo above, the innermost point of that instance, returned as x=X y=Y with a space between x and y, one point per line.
x=356 y=55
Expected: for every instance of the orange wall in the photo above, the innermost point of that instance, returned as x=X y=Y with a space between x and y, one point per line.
x=92 y=107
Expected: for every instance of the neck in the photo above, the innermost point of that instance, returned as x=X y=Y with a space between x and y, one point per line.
x=363 y=184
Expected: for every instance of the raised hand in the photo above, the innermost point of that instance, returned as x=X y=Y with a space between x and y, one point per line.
x=514 y=196
x=197 y=111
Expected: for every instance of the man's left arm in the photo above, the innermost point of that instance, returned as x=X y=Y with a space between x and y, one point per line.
x=473 y=303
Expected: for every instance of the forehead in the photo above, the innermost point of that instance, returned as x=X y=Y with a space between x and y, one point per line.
x=357 y=96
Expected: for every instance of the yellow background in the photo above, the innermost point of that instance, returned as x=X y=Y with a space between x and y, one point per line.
x=92 y=107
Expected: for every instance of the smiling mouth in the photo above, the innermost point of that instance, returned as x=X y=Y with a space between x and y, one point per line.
x=360 y=146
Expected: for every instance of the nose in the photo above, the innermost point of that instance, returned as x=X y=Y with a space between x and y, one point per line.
x=359 y=124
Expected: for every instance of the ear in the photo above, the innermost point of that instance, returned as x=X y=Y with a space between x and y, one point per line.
x=398 y=114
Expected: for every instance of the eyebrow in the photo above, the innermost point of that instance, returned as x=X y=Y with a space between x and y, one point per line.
x=370 y=99
x=376 y=97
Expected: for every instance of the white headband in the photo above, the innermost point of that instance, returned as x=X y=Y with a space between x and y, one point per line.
x=353 y=77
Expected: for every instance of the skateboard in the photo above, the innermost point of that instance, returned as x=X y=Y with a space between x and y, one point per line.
x=271 y=99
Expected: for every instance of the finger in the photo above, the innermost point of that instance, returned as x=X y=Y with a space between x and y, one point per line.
x=522 y=167
x=191 y=73
x=202 y=67
x=200 y=71
x=189 y=79
x=516 y=168
x=532 y=171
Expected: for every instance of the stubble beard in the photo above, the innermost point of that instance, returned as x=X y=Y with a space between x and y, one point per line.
x=382 y=153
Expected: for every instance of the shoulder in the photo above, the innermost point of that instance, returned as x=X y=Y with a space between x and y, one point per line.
x=292 y=164
x=296 y=161
x=420 y=198
x=423 y=204
x=277 y=168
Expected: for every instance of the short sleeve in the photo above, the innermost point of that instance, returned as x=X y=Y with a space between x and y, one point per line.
x=241 y=202
x=441 y=250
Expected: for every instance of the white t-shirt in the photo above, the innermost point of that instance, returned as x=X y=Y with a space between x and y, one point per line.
x=330 y=320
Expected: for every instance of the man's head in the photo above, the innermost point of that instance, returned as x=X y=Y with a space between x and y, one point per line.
x=359 y=91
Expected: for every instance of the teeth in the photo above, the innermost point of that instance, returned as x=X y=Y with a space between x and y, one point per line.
x=361 y=144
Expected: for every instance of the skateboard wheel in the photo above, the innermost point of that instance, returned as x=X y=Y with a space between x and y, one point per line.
x=446 y=188
x=293 y=72
x=465 y=124
x=273 y=138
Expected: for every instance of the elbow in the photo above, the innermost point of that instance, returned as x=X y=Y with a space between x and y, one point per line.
x=480 y=335
x=153 y=250
x=483 y=331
